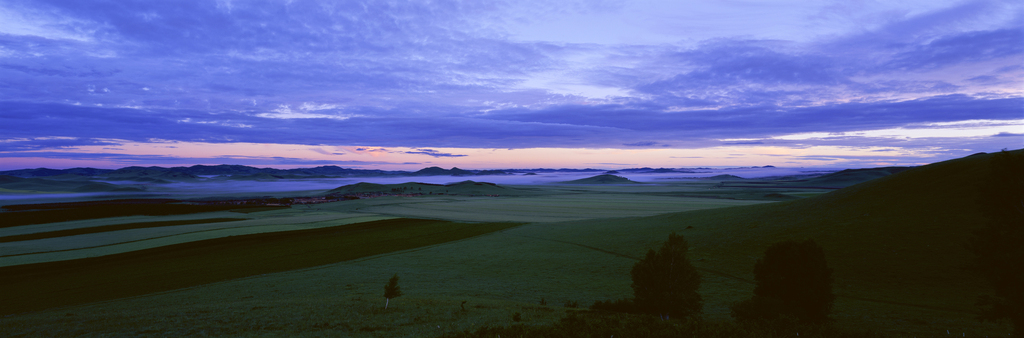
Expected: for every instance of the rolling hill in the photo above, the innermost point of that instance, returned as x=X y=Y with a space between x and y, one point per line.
x=460 y=188
x=602 y=179
x=899 y=238
x=45 y=185
x=725 y=177
x=850 y=177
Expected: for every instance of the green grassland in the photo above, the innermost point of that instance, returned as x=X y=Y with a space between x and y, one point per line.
x=553 y=208
x=38 y=286
x=896 y=244
x=115 y=242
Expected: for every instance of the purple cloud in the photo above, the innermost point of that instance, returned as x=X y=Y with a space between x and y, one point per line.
x=450 y=74
x=433 y=153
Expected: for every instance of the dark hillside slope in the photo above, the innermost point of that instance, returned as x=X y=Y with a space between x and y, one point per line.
x=850 y=177
x=46 y=185
x=899 y=238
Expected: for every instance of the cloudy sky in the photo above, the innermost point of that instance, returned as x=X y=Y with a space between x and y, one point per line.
x=518 y=84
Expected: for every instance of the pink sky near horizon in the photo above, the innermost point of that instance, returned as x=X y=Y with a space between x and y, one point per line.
x=176 y=154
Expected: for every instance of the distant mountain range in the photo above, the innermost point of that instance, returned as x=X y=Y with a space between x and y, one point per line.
x=164 y=175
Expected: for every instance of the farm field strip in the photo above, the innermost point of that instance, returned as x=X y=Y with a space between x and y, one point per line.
x=77 y=224
x=133 y=235
x=113 y=227
x=102 y=244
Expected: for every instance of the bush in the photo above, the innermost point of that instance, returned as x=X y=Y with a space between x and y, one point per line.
x=391 y=290
x=793 y=283
x=665 y=283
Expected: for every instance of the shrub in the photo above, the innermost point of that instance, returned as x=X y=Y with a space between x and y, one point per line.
x=391 y=290
x=665 y=283
x=793 y=282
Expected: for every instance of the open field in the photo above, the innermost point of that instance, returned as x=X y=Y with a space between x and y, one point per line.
x=896 y=245
x=42 y=285
x=106 y=228
x=552 y=208
x=16 y=217
x=101 y=244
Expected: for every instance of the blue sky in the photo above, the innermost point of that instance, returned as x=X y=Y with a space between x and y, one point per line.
x=491 y=84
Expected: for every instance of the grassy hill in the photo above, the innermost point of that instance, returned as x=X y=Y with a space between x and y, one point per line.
x=850 y=177
x=460 y=188
x=603 y=179
x=46 y=185
x=898 y=239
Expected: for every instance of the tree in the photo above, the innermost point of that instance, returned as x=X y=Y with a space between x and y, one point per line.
x=665 y=283
x=793 y=280
x=998 y=246
x=391 y=290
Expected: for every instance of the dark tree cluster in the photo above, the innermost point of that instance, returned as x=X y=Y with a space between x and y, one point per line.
x=665 y=283
x=793 y=283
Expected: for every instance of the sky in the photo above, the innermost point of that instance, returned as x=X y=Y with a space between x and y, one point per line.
x=402 y=85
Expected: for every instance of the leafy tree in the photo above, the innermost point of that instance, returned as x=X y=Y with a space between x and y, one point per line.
x=665 y=283
x=391 y=290
x=998 y=246
x=793 y=280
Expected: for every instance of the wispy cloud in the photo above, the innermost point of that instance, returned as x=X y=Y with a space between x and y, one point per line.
x=432 y=153
x=424 y=75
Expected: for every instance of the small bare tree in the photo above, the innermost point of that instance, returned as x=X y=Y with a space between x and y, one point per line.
x=391 y=290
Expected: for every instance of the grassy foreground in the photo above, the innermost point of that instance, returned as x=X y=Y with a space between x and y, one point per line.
x=39 y=286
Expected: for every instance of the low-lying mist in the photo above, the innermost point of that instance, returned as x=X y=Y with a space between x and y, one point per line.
x=217 y=186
